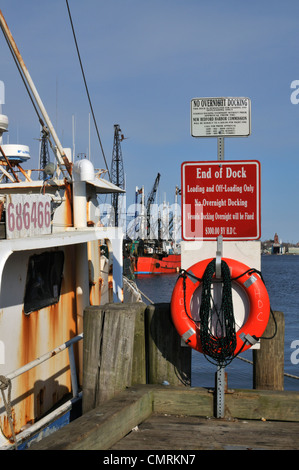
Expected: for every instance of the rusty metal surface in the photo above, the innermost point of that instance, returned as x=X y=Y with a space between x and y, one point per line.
x=8 y=164
x=38 y=390
x=35 y=392
x=29 y=336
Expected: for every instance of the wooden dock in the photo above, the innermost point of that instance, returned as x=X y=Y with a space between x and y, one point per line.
x=153 y=417
x=190 y=433
x=129 y=351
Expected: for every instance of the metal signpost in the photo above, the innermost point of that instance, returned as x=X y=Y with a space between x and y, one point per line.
x=220 y=391
x=219 y=198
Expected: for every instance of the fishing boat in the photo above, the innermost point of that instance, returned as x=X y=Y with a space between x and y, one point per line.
x=151 y=257
x=55 y=260
x=150 y=265
x=153 y=247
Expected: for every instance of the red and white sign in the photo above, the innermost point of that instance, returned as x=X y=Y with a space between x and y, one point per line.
x=221 y=198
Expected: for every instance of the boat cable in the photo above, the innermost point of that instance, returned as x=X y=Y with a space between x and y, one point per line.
x=147 y=298
x=143 y=295
x=86 y=87
x=286 y=374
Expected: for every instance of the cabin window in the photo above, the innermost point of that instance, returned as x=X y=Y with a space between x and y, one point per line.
x=44 y=277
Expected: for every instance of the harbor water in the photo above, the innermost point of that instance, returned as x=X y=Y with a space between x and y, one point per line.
x=280 y=273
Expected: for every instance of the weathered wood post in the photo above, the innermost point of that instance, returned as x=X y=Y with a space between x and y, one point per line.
x=139 y=352
x=268 y=361
x=167 y=360
x=109 y=346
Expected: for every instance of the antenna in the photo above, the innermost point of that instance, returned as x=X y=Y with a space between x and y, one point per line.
x=89 y=136
x=73 y=132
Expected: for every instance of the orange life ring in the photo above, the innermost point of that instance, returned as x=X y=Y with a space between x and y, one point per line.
x=259 y=304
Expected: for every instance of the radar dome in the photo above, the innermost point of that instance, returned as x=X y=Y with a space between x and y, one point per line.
x=16 y=152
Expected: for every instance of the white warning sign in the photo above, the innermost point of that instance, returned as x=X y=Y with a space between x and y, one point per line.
x=220 y=117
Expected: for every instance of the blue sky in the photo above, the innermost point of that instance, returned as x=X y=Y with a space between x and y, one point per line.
x=144 y=62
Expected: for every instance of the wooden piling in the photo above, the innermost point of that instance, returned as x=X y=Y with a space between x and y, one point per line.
x=108 y=351
x=268 y=361
x=139 y=353
x=168 y=361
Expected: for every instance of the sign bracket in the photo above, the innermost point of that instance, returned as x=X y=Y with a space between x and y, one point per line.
x=220 y=391
x=219 y=256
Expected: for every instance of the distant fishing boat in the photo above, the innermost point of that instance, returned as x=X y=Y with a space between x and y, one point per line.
x=149 y=257
x=164 y=265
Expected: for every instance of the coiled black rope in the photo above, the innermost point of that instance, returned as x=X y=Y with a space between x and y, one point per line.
x=217 y=324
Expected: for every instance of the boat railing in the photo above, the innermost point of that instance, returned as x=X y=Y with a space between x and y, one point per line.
x=69 y=345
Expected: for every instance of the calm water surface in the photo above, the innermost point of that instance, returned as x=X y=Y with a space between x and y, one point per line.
x=281 y=276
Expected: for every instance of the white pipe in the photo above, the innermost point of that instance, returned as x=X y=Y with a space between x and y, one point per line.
x=79 y=204
x=83 y=171
x=44 y=357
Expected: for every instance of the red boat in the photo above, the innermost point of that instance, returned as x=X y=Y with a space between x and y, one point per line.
x=156 y=265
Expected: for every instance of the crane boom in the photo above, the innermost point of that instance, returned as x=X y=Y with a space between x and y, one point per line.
x=150 y=201
x=117 y=172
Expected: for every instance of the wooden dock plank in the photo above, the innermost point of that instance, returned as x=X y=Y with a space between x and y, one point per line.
x=257 y=404
x=101 y=427
x=191 y=401
x=169 y=432
x=243 y=404
x=172 y=418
